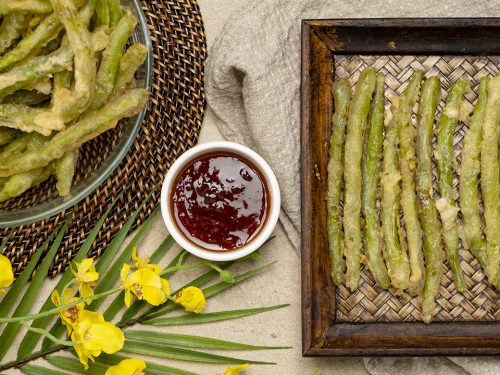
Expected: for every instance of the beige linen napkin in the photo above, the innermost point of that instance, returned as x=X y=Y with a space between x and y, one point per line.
x=253 y=81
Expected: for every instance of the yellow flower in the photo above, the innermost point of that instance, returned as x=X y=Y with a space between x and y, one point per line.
x=127 y=367
x=235 y=370
x=144 y=262
x=92 y=335
x=144 y=284
x=191 y=298
x=86 y=277
x=6 y=274
x=71 y=315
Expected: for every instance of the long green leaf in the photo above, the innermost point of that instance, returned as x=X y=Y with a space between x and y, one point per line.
x=101 y=267
x=158 y=255
x=74 y=365
x=38 y=370
x=165 y=351
x=9 y=300
x=151 y=368
x=208 y=292
x=26 y=302
x=188 y=319
x=197 y=342
x=31 y=339
x=137 y=305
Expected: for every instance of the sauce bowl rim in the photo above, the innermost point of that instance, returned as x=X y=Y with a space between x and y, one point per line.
x=266 y=172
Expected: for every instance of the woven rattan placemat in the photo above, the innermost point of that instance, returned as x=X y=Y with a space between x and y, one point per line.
x=370 y=303
x=171 y=127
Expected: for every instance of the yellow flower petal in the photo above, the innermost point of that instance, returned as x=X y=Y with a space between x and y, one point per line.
x=165 y=286
x=127 y=367
x=85 y=277
x=235 y=370
x=105 y=336
x=191 y=298
x=6 y=273
x=153 y=296
x=144 y=262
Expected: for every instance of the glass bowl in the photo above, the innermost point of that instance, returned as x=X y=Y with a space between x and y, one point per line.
x=42 y=201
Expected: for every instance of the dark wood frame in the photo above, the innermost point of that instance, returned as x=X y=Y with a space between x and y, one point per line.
x=322 y=335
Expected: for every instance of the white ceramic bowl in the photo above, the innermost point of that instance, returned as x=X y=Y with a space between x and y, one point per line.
x=207 y=148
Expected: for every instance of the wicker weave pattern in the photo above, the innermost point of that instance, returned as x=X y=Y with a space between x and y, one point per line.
x=370 y=303
x=171 y=127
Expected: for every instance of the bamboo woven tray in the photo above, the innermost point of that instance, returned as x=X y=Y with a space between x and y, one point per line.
x=371 y=321
x=171 y=127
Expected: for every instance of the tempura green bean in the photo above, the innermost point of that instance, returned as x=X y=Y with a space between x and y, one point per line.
x=131 y=60
x=371 y=174
x=407 y=163
x=446 y=204
x=341 y=95
x=13 y=24
x=490 y=183
x=64 y=170
x=24 y=6
x=356 y=124
x=469 y=172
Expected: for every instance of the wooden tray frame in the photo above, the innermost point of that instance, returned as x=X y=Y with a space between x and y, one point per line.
x=322 y=334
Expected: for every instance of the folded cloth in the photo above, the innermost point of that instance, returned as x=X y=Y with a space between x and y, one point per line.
x=253 y=83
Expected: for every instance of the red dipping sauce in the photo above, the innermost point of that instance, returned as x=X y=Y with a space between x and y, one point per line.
x=220 y=201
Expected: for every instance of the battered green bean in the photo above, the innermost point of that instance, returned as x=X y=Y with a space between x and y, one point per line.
x=25 y=6
x=356 y=123
x=15 y=147
x=33 y=70
x=430 y=96
x=26 y=97
x=371 y=173
x=407 y=163
x=91 y=125
x=396 y=258
x=21 y=117
x=341 y=95
x=7 y=135
x=64 y=170
x=102 y=10
x=111 y=59
x=469 y=172
x=115 y=11
x=131 y=60
x=18 y=184
x=80 y=42
x=446 y=204
x=13 y=24
x=490 y=184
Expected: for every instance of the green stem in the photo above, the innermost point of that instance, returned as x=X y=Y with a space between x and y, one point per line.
x=59 y=308
x=63 y=293
x=47 y=334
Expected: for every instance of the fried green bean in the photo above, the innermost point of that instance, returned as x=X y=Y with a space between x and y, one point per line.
x=371 y=174
x=356 y=124
x=395 y=256
x=18 y=184
x=13 y=24
x=78 y=100
x=341 y=95
x=469 y=173
x=407 y=164
x=111 y=57
x=102 y=10
x=431 y=226
x=7 y=135
x=26 y=97
x=64 y=170
x=115 y=11
x=90 y=126
x=131 y=60
x=490 y=184
x=21 y=117
x=25 y=6
x=15 y=147
x=33 y=70
x=446 y=155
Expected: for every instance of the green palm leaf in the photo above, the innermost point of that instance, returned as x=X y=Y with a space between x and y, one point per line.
x=151 y=368
x=197 y=342
x=74 y=365
x=202 y=318
x=31 y=339
x=25 y=304
x=38 y=370
x=101 y=267
x=170 y=352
